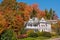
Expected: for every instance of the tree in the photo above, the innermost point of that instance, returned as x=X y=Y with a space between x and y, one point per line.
x=47 y=14
x=8 y=4
x=8 y=35
x=58 y=27
x=3 y=23
x=51 y=13
x=26 y=15
x=55 y=17
x=21 y=6
x=33 y=14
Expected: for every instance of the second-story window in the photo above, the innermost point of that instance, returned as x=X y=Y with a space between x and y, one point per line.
x=29 y=24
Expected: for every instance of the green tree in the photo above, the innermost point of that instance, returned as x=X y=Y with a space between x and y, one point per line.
x=33 y=13
x=51 y=13
x=47 y=14
x=8 y=35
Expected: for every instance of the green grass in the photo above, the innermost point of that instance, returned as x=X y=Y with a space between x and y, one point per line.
x=38 y=38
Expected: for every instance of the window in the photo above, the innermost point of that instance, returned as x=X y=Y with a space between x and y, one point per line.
x=34 y=24
x=43 y=25
x=29 y=24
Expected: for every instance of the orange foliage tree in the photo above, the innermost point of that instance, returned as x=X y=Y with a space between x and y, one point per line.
x=3 y=23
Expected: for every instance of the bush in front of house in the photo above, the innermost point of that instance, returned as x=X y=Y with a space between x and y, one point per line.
x=33 y=34
x=46 y=34
x=54 y=34
x=29 y=31
x=22 y=31
x=22 y=36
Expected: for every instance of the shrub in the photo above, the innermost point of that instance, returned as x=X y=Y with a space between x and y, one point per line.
x=22 y=31
x=54 y=34
x=33 y=34
x=22 y=36
x=29 y=31
x=8 y=35
x=39 y=33
x=45 y=34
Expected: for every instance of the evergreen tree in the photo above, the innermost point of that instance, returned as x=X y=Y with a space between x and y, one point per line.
x=33 y=13
x=47 y=14
x=51 y=13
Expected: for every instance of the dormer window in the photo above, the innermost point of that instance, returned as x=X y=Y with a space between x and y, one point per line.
x=29 y=24
x=34 y=24
x=43 y=25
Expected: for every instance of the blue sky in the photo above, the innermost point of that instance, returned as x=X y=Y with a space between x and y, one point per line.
x=45 y=4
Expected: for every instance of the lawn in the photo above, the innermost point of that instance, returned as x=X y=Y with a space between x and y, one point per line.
x=38 y=38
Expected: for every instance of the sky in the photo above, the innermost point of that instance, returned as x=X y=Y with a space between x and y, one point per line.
x=44 y=4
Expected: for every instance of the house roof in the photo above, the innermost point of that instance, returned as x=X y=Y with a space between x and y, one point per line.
x=30 y=21
x=35 y=20
x=52 y=21
x=42 y=20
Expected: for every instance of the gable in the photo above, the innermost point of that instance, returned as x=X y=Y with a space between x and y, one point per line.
x=42 y=20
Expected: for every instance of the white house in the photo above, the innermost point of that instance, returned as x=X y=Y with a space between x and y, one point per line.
x=44 y=25
x=40 y=25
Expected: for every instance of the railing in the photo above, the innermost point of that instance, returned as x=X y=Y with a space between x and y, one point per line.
x=31 y=27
